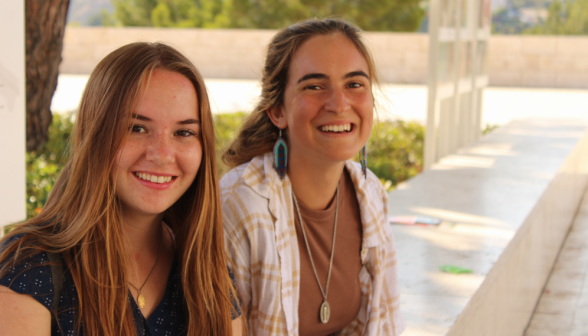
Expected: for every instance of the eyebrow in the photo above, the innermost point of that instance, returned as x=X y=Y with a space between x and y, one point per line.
x=323 y=76
x=357 y=73
x=313 y=76
x=183 y=122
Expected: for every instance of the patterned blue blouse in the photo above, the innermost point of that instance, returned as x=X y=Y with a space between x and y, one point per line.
x=34 y=278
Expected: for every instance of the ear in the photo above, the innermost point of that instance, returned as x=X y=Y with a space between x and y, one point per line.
x=277 y=116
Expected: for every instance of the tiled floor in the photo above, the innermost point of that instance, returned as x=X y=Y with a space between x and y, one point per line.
x=563 y=307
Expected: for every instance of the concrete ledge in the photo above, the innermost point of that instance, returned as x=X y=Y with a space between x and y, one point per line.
x=507 y=203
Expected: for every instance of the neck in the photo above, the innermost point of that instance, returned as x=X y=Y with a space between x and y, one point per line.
x=314 y=182
x=142 y=234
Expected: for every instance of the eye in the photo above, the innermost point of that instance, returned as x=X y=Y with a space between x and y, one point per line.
x=185 y=133
x=355 y=85
x=312 y=87
x=138 y=129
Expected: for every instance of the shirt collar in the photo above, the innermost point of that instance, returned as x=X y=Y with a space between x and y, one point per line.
x=262 y=178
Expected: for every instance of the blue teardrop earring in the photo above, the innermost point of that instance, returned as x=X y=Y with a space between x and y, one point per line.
x=364 y=161
x=280 y=156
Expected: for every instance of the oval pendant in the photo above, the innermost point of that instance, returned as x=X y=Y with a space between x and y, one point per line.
x=325 y=312
x=141 y=301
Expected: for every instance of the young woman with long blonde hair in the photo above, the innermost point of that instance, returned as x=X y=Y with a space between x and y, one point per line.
x=130 y=241
x=306 y=227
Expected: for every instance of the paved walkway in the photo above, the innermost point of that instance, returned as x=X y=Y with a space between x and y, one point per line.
x=406 y=102
x=563 y=307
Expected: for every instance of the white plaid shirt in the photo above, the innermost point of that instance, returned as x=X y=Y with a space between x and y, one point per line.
x=260 y=239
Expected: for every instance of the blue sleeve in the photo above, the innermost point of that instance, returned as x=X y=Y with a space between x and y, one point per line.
x=236 y=303
x=31 y=276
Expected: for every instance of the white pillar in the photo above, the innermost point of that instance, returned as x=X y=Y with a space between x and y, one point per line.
x=12 y=113
x=459 y=31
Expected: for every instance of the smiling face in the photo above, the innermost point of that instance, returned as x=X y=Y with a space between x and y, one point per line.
x=160 y=158
x=328 y=104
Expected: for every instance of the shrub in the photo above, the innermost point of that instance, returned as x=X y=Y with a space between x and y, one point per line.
x=395 y=153
x=226 y=126
x=44 y=166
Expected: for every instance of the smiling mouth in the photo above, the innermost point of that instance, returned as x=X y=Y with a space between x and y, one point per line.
x=337 y=128
x=153 y=178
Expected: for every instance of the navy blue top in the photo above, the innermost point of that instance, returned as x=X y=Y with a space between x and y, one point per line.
x=34 y=278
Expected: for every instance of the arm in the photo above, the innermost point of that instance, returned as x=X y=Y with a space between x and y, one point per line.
x=238 y=251
x=20 y=314
x=238 y=326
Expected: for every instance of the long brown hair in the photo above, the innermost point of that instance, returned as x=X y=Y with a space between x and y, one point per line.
x=82 y=218
x=258 y=134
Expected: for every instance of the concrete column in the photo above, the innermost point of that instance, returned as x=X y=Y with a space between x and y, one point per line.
x=459 y=31
x=12 y=113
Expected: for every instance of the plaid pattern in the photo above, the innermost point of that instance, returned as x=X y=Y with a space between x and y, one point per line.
x=260 y=240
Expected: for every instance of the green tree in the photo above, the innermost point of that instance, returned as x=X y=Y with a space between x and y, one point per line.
x=134 y=12
x=567 y=17
x=371 y=15
x=505 y=21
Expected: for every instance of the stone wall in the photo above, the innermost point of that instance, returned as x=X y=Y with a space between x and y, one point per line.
x=401 y=58
x=539 y=61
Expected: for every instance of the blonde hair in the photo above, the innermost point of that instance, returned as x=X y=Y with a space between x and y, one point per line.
x=258 y=134
x=82 y=217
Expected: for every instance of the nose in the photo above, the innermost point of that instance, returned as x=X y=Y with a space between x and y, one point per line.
x=337 y=101
x=160 y=150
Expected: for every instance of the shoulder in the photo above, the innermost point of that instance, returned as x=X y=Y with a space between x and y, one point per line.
x=248 y=188
x=253 y=199
x=369 y=185
x=30 y=275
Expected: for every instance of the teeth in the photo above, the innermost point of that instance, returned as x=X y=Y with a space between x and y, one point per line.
x=336 y=128
x=154 y=178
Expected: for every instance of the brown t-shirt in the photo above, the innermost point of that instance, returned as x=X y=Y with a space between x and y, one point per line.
x=344 y=291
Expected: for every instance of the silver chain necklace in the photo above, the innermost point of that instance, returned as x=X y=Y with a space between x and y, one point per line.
x=325 y=309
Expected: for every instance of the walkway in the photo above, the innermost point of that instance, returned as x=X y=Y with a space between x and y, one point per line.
x=406 y=102
x=563 y=307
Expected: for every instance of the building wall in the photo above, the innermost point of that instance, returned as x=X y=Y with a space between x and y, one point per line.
x=521 y=61
x=12 y=113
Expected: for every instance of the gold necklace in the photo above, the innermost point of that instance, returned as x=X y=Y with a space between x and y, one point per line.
x=325 y=309
x=140 y=297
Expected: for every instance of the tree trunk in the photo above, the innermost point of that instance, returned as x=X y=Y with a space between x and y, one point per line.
x=45 y=27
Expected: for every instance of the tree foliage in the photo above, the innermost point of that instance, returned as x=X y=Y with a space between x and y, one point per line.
x=507 y=21
x=567 y=17
x=371 y=15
